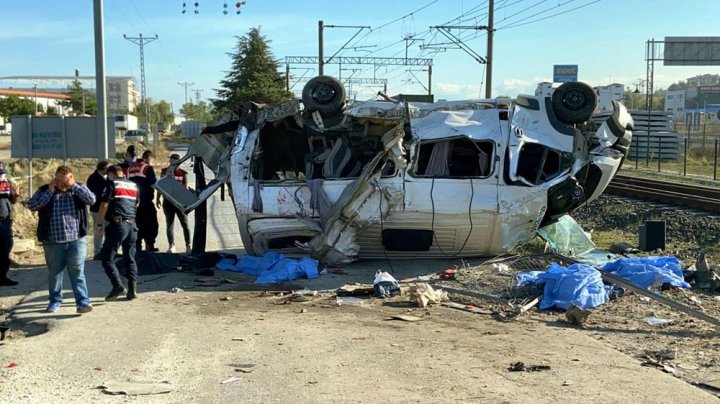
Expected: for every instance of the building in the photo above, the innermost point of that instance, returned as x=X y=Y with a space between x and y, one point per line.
x=46 y=99
x=122 y=95
x=675 y=103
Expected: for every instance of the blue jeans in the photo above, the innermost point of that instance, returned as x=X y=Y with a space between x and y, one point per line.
x=70 y=256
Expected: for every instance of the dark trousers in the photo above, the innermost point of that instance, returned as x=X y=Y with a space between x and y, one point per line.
x=122 y=233
x=147 y=223
x=171 y=211
x=6 y=244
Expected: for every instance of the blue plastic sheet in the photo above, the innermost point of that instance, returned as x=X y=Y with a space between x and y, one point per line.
x=528 y=278
x=578 y=284
x=272 y=267
x=649 y=271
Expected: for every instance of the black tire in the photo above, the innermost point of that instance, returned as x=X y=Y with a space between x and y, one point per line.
x=574 y=102
x=324 y=94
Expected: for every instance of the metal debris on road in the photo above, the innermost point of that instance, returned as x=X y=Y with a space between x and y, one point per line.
x=136 y=388
x=658 y=320
x=405 y=317
x=521 y=367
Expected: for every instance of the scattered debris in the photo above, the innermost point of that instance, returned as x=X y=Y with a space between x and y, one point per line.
x=244 y=367
x=238 y=339
x=521 y=367
x=658 y=320
x=3 y=329
x=576 y=315
x=657 y=364
x=695 y=300
x=231 y=379
x=225 y=298
x=423 y=294
x=645 y=299
x=11 y=365
x=406 y=317
x=98 y=369
x=501 y=268
x=713 y=384
x=622 y=248
x=567 y=383
x=176 y=290
x=385 y=285
x=355 y=289
x=136 y=388
x=448 y=273
x=522 y=309
x=467 y=307
x=349 y=301
x=303 y=311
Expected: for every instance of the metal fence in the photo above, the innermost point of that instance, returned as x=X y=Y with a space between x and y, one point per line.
x=688 y=151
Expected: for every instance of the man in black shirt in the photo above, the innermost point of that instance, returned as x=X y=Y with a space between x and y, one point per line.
x=96 y=182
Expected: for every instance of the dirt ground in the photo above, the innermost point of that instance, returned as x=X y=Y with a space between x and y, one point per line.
x=190 y=333
x=312 y=349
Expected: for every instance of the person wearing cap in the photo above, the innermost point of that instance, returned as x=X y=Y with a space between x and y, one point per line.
x=130 y=158
x=170 y=210
x=142 y=173
x=118 y=208
x=9 y=194
x=96 y=182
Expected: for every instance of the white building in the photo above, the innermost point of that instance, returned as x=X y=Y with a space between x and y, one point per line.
x=675 y=103
x=121 y=93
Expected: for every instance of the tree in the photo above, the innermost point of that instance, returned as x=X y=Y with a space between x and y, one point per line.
x=160 y=112
x=253 y=75
x=14 y=105
x=81 y=100
x=201 y=111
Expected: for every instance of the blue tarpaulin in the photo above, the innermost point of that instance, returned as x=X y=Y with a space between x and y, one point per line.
x=649 y=271
x=577 y=284
x=272 y=267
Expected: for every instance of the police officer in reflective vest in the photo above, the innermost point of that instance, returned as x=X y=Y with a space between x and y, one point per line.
x=142 y=173
x=171 y=210
x=8 y=195
x=118 y=207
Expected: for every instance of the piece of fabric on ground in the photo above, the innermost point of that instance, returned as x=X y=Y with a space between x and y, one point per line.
x=649 y=272
x=272 y=267
x=577 y=284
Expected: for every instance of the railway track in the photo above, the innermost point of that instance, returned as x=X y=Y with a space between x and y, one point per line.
x=671 y=193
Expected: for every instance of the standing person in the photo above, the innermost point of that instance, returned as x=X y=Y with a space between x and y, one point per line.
x=62 y=227
x=142 y=173
x=130 y=157
x=118 y=207
x=96 y=183
x=171 y=210
x=9 y=194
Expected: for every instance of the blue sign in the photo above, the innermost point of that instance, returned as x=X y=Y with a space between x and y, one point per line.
x=565 y=73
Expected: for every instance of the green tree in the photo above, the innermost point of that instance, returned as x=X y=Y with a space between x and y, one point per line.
x=201 y=111
x=253 y=75
x=159 y=112
x=80 y=100
x=52 y=110
x=14 y=105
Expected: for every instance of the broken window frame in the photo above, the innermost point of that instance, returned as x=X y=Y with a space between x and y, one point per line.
x=491 y=158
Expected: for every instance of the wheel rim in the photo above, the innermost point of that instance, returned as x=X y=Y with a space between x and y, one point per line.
x=575 y=100
x=324 y=94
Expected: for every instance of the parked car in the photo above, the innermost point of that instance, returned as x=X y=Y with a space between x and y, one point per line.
x=136 y=135
x=405 y=179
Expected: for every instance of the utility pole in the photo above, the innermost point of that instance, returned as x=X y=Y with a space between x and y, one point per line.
x=35 y=87
x=186 y=85
x=321 y=57
x=490 y=33
x=197 y=92
x=141 y=41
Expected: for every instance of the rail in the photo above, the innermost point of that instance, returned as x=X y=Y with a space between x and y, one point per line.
x=671 y=193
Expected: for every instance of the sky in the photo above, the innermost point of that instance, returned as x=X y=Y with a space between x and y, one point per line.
x=605 y=38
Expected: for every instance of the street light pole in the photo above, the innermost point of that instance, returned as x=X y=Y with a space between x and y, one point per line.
x=36 y=104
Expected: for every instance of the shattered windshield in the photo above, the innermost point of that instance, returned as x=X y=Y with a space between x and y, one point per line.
x=568 y=238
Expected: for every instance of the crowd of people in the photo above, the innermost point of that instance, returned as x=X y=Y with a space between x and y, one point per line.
x=120 y=200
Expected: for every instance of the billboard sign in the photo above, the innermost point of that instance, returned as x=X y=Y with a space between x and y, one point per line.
x=565 y=73
x=692 y=51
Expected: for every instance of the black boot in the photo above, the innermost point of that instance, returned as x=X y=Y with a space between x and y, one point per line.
x=116 y=291
x=132 y=289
